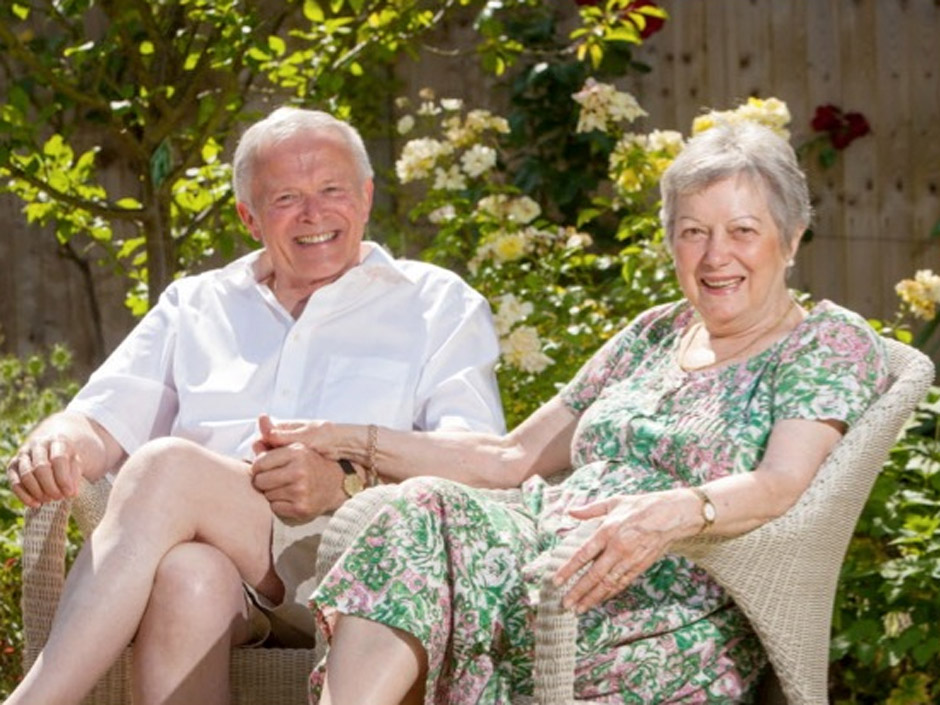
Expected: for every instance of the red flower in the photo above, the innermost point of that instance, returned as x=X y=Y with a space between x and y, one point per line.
x=842 y=128
x=826 y=118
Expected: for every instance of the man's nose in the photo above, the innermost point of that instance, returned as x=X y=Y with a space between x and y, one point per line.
x=310 y=208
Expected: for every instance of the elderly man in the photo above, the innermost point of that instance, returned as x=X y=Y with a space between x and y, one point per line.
x=207 y=543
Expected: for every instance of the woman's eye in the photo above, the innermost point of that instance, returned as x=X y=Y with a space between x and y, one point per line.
x=692 y=233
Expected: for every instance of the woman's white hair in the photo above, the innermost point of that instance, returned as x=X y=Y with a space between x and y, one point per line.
x=741 y=148
x=283 y=124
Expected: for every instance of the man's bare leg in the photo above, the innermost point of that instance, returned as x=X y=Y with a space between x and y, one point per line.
x=168 y=493
x=196 y=613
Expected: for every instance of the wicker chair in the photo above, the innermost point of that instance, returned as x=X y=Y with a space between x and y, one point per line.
x=783 y=575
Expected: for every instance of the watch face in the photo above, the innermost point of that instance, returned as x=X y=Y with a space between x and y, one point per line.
x=708 y=510
x=352 y=484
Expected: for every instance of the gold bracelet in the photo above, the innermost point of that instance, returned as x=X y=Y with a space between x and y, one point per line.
x=371 y=449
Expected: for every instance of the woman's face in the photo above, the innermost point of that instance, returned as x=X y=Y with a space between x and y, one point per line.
x=728 y=255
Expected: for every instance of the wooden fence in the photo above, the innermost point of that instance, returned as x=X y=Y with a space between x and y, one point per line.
x=876 y=205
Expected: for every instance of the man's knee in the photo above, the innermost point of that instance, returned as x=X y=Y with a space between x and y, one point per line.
x=196 y=582
x=162 y=471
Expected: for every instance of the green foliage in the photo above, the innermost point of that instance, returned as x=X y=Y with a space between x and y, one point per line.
x=30 y=389
x=115 y=113
x=556 y=295
x=885 y=647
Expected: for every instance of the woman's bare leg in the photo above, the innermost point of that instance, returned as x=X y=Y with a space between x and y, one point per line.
x=168 y=493
x=394 y=660
x=196 y=613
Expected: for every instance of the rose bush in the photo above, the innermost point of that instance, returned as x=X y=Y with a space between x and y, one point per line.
x=557 y=291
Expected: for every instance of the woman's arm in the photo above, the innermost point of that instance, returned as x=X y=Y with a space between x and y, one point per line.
x=795 y=451
x=637 y=529
x=539 y=445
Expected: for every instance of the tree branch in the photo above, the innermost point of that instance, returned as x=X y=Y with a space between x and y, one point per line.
x=93 y=207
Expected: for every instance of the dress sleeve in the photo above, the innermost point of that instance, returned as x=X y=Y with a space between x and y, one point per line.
x=132 y=393
x=833 y=370
x=616 y=358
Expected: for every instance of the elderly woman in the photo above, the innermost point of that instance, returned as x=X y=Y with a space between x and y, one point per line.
x=710 y=414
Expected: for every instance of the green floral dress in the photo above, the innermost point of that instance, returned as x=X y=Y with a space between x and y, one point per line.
x=458 y=568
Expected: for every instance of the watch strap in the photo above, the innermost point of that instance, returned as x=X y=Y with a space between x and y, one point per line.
x=709 y=512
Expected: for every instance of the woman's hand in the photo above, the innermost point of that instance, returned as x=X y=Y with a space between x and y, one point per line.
x=312 y=434
x=635 y=532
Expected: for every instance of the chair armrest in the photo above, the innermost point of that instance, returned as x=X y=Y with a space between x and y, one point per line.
x=43 y=541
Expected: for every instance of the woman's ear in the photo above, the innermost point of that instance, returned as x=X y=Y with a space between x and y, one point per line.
x=794 y=246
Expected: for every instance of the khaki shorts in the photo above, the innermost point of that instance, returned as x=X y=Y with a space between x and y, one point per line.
x=294 y=554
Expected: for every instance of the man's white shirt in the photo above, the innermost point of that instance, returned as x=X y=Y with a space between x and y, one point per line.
x=397 y=343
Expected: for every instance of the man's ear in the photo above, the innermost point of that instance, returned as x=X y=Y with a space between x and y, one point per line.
x=368 y=188
x=246 y=216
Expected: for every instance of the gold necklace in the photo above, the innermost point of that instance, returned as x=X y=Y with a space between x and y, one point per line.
x=709 y=361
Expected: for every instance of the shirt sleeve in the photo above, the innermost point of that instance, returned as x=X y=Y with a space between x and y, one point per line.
x=458 y=389
x=131 y=394
x=615 y=359
x=832 y=371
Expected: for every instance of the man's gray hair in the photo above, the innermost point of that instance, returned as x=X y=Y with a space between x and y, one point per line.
x=740 y=148
x=283 y=124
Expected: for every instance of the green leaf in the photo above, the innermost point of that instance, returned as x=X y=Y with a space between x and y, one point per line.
x=277 y=45
x=146 y=48
x=313 y=11
x=160 y=163
x=623 y=34
x=129 y=246
x=21 y=11
x=905 y=336
x=827 y=157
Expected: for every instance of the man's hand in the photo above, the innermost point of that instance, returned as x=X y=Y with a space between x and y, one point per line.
x=45 y=469
x=298 y=482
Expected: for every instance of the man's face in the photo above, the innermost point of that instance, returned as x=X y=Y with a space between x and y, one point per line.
x=309 y=209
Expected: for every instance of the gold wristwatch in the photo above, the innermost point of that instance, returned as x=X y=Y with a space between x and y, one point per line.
x=352 y=483
x=709 y=513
